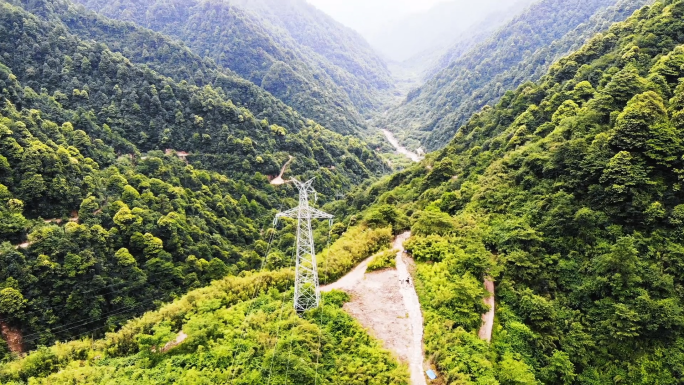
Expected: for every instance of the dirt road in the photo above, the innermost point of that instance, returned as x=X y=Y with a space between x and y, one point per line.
x=415 y=315
x=388 y=307
x=277 y=181
x=488 y=318
x=350 y=281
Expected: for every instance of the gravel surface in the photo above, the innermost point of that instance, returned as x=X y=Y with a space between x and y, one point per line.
x=388 y=308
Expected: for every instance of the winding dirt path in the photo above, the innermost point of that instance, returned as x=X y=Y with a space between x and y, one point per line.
x=415 y=315
x=172 y=344
x=388 y=308
x=488 y=318
x=350 y=281
x=279 y=179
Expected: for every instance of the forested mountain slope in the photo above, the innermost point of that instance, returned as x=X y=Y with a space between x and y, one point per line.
x=262 y=50
x=568 y=194
x=121 y=187
x=230 y=338
x=186 y=111
x=312 y=28
x=474 y=35
x=433 y=29
x=521 y=51
x=432 y=59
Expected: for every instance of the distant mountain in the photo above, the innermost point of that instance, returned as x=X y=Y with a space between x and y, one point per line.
x=476 y=34
x=520 y=51
x=433 y=30
x=254 y=39
x=316 y=30
x=428 y=62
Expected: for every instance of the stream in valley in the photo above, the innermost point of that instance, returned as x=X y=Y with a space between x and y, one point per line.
x=401 y=149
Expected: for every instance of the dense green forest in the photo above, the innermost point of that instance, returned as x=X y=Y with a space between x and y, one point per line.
x=156 y=112
x=520 y=51
x=136 y=210
x=568 y=194
x=281 y=54
x=121 y=186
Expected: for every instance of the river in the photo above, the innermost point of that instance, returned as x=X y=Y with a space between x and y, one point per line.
x=401 y=149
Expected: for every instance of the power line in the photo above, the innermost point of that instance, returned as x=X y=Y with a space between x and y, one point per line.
x=289 y=354
x=251 y=304
x=93 y=290
x=89 y=331
x=86 y=321
x=147 y=277
x=82 y=322
x=320 y=333
x=275 y=347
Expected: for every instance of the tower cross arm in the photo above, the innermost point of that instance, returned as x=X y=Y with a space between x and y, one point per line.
x=291 y=213
x=307 y=212
x=318 y=214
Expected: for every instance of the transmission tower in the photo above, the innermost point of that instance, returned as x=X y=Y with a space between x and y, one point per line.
x=307 y=294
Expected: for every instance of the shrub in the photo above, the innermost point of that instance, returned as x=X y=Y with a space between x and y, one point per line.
x=385 y=260
x=357 y=244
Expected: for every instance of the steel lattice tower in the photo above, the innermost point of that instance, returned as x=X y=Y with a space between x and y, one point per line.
x=307 y=294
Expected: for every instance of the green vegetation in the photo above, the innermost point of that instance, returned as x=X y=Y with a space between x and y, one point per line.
x=106 y=240
x=102 y=216
x=134 y=172
x=568 y=193
x=231 y=338
x=449 y=286
x=151 y=111
x=523 y=50
x=264 y=43
x=384 y=260
x=355 y=245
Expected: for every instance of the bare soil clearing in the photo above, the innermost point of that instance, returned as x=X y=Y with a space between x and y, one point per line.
x=13 y=338
x=378 y=305
x=350 y=281
x=277 y=181
x=388 y=307
x=172 y=344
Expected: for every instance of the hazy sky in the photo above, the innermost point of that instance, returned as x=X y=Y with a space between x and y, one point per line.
x=367 y=15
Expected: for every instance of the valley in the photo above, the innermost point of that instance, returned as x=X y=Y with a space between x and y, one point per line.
x=504 y=181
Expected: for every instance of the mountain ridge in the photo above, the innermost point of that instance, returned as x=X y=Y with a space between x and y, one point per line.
x=238 y=39
x=435 y=111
